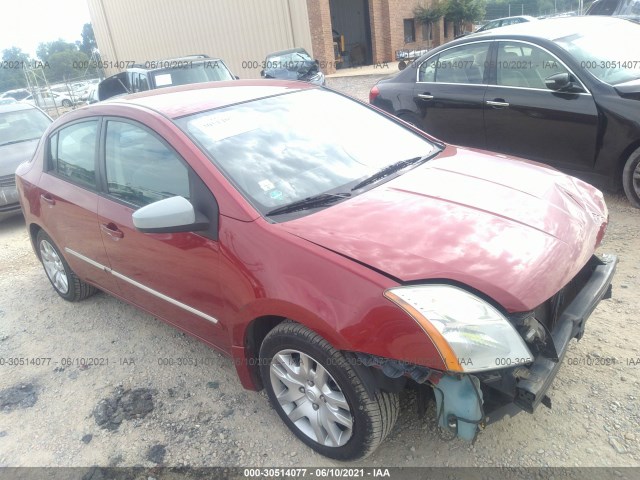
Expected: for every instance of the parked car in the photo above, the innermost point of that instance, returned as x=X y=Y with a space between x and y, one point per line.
x=555 y=91
x=50 y=99
x=337 y=266
x=294 y=64
x=165 y=73
x=503 y=22
x=21 y=126
x=629 y=9
x=17 y=94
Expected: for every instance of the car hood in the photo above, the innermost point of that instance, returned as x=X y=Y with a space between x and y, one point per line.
x=14 y=154
x=511 y=229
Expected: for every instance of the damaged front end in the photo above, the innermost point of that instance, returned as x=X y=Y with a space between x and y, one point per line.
x=471 y=397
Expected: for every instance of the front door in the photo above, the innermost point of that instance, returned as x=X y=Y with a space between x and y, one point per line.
x=171 y=275
x=524 y=118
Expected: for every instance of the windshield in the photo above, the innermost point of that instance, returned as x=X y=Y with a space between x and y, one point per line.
x=290 y=61
x=205 y=71
x=602 y=55
x=22 y=125
x=287 y=148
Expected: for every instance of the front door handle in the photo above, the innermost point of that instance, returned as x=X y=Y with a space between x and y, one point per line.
x=497 y=102
x=425 y=96
x=46 y=198
x=112 y=230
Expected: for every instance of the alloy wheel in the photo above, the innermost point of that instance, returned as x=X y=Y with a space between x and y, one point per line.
x=54 y=267
x=311 y=398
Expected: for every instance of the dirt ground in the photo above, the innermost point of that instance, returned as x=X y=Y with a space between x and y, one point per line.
x=149 y=405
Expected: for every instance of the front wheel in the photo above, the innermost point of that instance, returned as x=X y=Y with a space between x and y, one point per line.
x=64 y=280
x=631 y=178
x=66 y=103
x=319 y=396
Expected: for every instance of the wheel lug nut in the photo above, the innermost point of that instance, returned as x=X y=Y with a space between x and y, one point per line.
x=323 y=399
x=311 y=383
x=301 y=389
x=316 y=406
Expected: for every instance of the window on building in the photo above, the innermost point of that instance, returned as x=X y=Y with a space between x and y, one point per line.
x=409 y=30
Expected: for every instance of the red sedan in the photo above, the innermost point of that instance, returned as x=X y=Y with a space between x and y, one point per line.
x=336 y=253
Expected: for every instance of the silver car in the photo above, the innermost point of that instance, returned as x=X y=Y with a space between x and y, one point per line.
x=21 y=126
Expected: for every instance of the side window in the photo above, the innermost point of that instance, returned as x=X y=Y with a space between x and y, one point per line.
x=72 y=152
x=140 y=168
x=427 y=70
x=144 y=84
x=523 y=65
x=463 y=64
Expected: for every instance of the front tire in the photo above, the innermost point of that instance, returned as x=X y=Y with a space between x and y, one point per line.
x=64 y=281
x=631 y=178
x=319 y=396
x=66 y=103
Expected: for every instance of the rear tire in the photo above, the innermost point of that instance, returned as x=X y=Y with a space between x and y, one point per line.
x=300 y=368
x=631 y=178
x=64 y=281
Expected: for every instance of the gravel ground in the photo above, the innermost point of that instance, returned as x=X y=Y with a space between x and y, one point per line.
x=136 y=410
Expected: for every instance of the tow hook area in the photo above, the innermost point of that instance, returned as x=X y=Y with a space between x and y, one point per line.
x=459 y=405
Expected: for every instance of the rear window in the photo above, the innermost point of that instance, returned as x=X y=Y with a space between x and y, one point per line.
x=205 y=71
x=22 y=125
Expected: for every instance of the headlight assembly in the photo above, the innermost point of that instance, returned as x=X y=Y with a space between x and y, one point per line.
x=470 y=334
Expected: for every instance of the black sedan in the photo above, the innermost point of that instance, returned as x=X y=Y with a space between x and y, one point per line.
x=564 y=91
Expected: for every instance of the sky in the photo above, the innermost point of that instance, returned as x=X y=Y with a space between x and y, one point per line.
x=26 y=23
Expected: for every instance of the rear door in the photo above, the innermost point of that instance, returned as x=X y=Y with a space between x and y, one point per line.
x=69 y=200
x=449 y=94
x=171 y=275
x=524 y=118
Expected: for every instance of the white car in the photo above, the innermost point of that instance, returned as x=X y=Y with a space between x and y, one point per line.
x=50 y=100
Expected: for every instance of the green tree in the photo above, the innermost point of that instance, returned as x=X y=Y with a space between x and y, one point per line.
x=13 y=76
x=88 y=43
x=46 y=50
x=461 y=11
x=66 y=65
x=428 y=16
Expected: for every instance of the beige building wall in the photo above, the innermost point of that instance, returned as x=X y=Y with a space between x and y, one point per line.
x=242 y=32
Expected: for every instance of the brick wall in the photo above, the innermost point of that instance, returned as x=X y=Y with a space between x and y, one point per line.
x=321 y=35
x=387 y=30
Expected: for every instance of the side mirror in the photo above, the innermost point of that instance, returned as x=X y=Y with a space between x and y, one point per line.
x=171 y=215
x=562 y=82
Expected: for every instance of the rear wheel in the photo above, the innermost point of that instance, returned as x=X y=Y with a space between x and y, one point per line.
x=318 y=395
x=631 y=178
x=64 y=280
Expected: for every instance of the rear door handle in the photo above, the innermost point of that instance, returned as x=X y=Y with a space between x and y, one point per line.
x=425 y=96
x=112 y=230
x=46 y=198
x=497 y=102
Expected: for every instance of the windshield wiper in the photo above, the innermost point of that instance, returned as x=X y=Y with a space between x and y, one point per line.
x=309 y=202
x=390 y=169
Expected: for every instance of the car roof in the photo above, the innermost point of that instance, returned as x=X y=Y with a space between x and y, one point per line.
x=15 y=107
x=285 y=52
x=528 y=17
x=553 y=28
x=174 y=102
